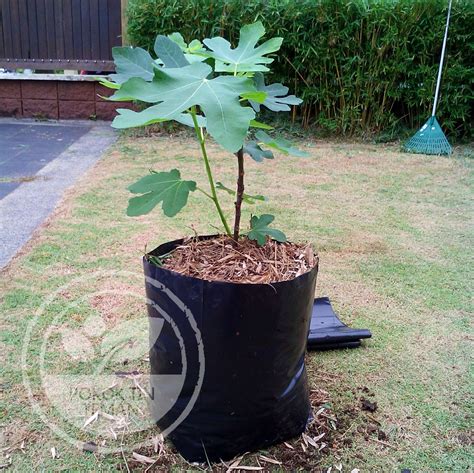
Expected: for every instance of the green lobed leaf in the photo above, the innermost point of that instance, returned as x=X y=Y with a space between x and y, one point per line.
x=249 y=199
x=280 y=144
x=165 y=187
x=255 y=97
x=169 y=52
x=193 y=52
x=186 y=119
x=108 y=84
x=263 y=126
x=195 y=46
x=245 y=57
x=177 y=38
x=260 y=230
x=131 y=62
x=256 y=153
x=130 y=119
x=179 y=89
x=276 y=98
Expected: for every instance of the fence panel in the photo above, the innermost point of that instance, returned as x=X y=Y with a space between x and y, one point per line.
x=59 y=34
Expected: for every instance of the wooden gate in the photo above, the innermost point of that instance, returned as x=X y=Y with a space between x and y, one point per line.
x=59 y=34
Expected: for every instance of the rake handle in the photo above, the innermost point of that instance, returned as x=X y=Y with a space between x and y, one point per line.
x=443 y=50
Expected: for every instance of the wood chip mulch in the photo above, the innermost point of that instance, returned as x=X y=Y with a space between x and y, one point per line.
x=223 y=259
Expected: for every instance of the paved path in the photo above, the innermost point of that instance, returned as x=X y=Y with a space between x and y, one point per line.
x=26 y=148
x=38 y=162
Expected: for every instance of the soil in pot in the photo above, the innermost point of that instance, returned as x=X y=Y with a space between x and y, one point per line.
x=250 y=308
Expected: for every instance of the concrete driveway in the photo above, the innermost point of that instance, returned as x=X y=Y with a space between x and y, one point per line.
x=38 y=162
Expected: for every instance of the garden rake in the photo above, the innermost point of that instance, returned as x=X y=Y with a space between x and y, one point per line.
x=430 y=139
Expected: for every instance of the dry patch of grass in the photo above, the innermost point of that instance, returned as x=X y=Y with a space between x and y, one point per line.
x=393 y=235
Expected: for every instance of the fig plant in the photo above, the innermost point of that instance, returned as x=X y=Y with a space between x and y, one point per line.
x=217 y=90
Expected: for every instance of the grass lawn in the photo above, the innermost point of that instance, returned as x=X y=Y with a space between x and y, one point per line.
x=395 y=245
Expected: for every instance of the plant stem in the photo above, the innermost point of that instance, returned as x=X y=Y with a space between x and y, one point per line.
x=202 y=143
x=209 y=196
x=240 y=193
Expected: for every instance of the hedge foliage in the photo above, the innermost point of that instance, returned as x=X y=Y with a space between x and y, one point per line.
x=360 y=65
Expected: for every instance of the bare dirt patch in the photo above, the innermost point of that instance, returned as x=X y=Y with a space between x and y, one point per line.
x=116 y=300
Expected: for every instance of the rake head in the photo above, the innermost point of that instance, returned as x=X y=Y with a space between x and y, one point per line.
x=429 y=139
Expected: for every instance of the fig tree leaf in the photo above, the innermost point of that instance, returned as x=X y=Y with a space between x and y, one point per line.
x=249 y=199
x=280 y=144
x=263 y=126
x=178 y=89
x=256 y=153
x=170 y=53
x=186 y=119
x=128 y=118
x=245 y=57
x=165 y=187
x=131 y=62
x=193 y=52
x=260 y=230
x=276 y=98
x=177 y=38
x=108 y=84
x=195 y=46
x=255 y=97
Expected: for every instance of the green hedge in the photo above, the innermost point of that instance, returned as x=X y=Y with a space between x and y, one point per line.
x=360 y=66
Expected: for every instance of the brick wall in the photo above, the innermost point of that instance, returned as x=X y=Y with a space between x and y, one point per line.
x=56 y=100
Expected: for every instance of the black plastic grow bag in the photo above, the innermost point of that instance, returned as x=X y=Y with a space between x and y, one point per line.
x=328 y=332
x=253 y=391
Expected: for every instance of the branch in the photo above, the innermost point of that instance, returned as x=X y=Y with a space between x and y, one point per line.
x=240 y=193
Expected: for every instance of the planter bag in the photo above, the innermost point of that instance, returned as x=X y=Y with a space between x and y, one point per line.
x=243 y=347
x=327 y=332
